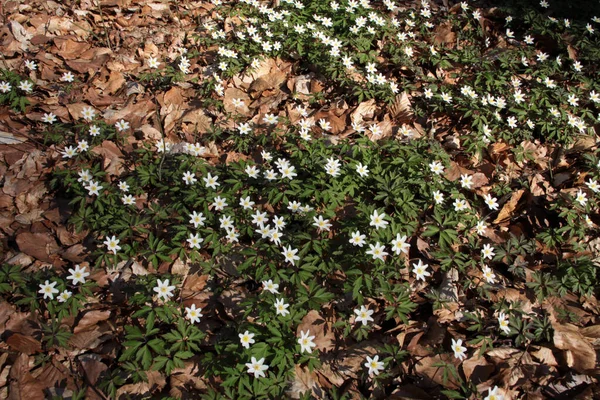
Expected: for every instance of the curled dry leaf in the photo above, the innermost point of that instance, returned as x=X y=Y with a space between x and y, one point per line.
x=509 y=207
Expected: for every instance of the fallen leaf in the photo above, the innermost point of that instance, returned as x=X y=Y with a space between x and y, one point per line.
x=90 y=319
x=509 y=207
x=318 y=327
x=401 y=110
x=580 y=355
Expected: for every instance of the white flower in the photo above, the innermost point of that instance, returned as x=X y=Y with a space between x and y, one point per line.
x=581 y=198
x=593 y=185
x=192 y=313
x=219 y=203
x=244 y=128
x=122 y=125
x=374 y=365
x=270 y=119
x=480 y=228
x=5 y=87
x=252 y=171
x=78 y=275
x=458 y=349
x=362 y=170
x=377 y=220
x=68 y=77
x=88 y=114
x=189 y=178
x=290 y=254
x=257 y=367
x=460 y=204
x=211 y=181
x=399 y=245
x=246 y=203
x=487 y=251
x=573 y=100
x=226 y=222
x=152 y=62
x=26 y=86
x=488 y=274
x=195 y=241
x=357 y=239
x=246 y=339
x=48 y=290
x=363 y=315
x=493 y=393
x=306 y=342
x=82 y=146
x=322 y=224
x=93 y=187
x=64 y=296
x=438 y=197
x=436 y=167
x=30 y=64
x=503 y=323
x=466 y=181
x=259 y=218
x=94 y=130
x=281 y=308
x=49 y=118
x=163 y=289
x=84 y=176
x=377 y=251
x=197 y=219
x=420 y=270
x=491 y=202
x=112 y=244
x=128 y=200
x=270 y=286
x=279 y=222
x=325 y=125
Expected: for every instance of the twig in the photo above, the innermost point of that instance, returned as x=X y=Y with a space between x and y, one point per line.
x=104 y=26
x=162 y=133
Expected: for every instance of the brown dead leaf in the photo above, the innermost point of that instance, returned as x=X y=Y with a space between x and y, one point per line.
x=90 y=319
x=509 y=207
x=23 y=343
x=230 y=95
x=320 y=328
x=113 y=157
x=156 y=382
x=545 y=356
x=97 y=58
x=427 y=368
x=580 y=354
x=401 y=110
x=92 y=366
x=39 y=245
x=365 y=110
x=477 y=369
x=23 y=385
x=443 y=35
x=305 y=381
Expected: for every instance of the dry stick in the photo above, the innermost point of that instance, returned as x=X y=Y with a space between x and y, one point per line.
x=104 y=26
x=162 y=133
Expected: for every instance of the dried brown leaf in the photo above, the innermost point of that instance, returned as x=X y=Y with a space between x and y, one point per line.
x=509 y=207
x=580 y=354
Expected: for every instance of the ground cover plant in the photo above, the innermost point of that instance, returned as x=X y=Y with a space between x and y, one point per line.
x=299 y=199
